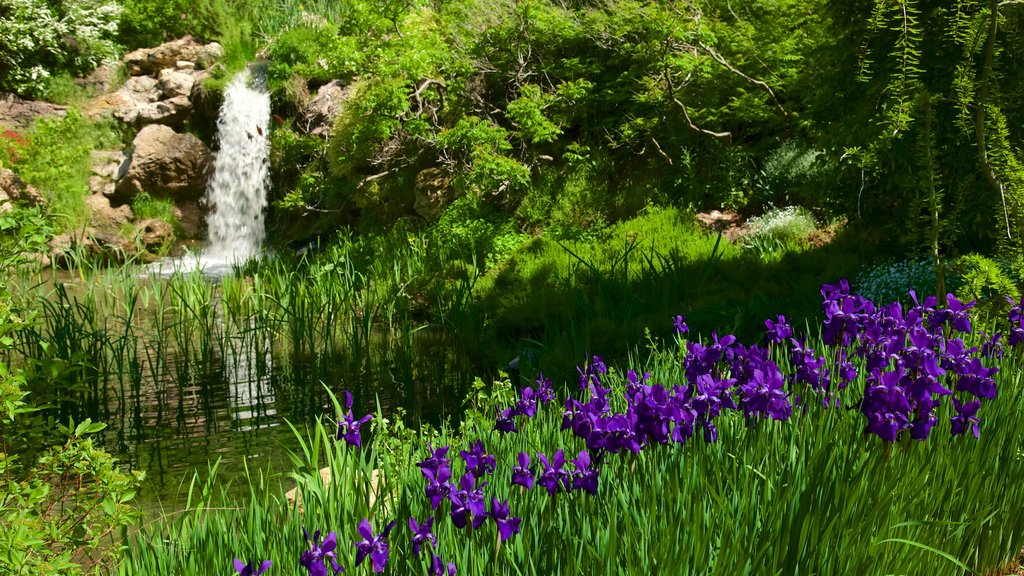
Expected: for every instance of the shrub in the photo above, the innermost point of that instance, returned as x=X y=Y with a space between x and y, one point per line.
x=985 y=281
x=778 y=229
x=890 y=281
x=40 y=38
x=56 y=159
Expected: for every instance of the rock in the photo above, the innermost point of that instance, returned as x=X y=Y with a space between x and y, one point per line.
x=137 y=92
x=173 y=83
x=102 y=79
x=108 y=166
x=165 y=164
x=91 y=245
x=205 y=103
x=190 y=220
x=317 y=117
x=18 y=114
x=104 y=216
x=432 y=194
x=153 y=235
x=185 y=65
x=172 y=112
x=167 y=55
x=14 y=190
x=294 y=497
x=144 y=100
x=146 y=87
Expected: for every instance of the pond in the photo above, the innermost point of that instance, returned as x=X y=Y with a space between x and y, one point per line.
x=186 y=371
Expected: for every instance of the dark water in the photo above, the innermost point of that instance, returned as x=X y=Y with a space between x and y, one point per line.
x=236 y=408
x=175 y=403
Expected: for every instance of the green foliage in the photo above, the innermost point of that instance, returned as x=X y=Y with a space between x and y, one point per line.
x=527 y=113
x=41 y=38
x=929 y=122
x=58 y=511
x=778 y=230
x=479 y=147
x=145 y=207
x=313 y=51
x=145 y=23
x=57 y=160
x=985 y=281
x=892 y=281
x=794 y=174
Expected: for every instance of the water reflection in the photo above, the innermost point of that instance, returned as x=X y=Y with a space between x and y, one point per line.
x=178 y=393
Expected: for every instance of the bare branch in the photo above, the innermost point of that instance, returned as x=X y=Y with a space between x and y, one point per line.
x=721 y=60
x=696 y=128
x=686 y=114
x=660 y=151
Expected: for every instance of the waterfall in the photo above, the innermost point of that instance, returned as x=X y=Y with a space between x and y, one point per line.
x=238 y=188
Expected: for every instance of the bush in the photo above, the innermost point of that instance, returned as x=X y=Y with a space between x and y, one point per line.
x=55 y=157
x=891 y=281
x=778 y=229
x=985 y=281
x=40 y=38
x=57 y=509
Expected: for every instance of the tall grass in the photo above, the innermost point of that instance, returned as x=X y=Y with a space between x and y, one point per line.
x=811 y=495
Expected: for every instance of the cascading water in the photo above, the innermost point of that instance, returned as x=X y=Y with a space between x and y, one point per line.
x=238 y=189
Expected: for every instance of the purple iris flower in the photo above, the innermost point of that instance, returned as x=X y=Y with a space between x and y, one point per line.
x=527 y=405
x=978 y=380
x=966 y=417
x=778 y=330
x=438 y=568
x=545 y=392
x=437 y=457
x=679 y=323
x=960 y=313
x=1016 y=317
x=993 y=347
x=439 y=485
x=348 y=426
x=523 y=474
x=421 y=533
x=506 y=526
x=553 y=477
x=376 y=547
x=318 y=553
x=478 y=461
x=244 y=569
x=505 y=421
x=585 y=476
x=468 y=501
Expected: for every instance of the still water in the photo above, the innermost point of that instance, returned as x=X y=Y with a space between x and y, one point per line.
x=181 y=386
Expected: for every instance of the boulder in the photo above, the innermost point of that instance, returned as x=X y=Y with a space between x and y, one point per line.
x=205 y=103
x=90 y=245
x=191 y=221
x=171 y=112
x=165 y=164
x=18 y=114
x=153 y=235
x=173 y=83
x=432 y=194
x=317 y=117
x=14 y=190
x=102 y=79
x=103 y=215
x=167 y=55
x=144 y=100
